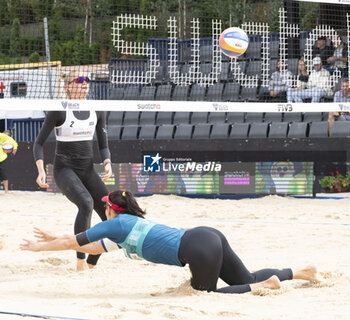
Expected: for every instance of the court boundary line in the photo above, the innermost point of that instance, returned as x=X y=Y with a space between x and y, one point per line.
x=22 y=314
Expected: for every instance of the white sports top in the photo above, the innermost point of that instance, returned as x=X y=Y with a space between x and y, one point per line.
x=74 y=129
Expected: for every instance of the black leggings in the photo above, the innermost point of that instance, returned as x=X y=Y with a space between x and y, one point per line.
x=80 y=183
x=210 y=257
x=3 y=170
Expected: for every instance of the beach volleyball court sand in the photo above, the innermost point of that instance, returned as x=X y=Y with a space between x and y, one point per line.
x=267 y=232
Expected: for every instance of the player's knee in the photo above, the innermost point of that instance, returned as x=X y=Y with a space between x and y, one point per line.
x=203 y=285
x=86 y=206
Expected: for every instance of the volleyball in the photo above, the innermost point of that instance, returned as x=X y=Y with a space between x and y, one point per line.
x=7 y=147
x=233 y=42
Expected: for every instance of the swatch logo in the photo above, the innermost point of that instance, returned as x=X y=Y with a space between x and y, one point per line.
x=70 y=105
x=220 y=107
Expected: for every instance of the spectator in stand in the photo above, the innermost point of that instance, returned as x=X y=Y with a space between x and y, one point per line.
x=280 y=80
x=303 y=75
x=339 y=59
x=318 y=85
x=342 y=95
x=322 y=50
x=302 y=78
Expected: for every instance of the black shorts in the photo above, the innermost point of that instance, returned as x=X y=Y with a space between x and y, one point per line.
x=3 y=170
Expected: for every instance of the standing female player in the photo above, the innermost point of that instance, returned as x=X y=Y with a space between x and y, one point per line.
x=205 y=249
x=73 y=165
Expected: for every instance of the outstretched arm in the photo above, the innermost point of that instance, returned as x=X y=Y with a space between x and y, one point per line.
x=50 y=242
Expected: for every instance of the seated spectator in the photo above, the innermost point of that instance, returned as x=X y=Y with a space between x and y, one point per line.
x=318 y=85
x=302 y=78
x=342 y=95
x=339 y=59
x=303 y=75
x=278 y=85
x=322 y=50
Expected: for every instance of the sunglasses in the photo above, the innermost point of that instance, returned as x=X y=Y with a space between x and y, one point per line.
x=80 y=80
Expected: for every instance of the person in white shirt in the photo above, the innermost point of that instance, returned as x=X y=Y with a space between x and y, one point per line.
x=318 y=85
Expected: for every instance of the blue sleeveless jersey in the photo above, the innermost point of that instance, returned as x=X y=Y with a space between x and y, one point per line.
x=161 y=244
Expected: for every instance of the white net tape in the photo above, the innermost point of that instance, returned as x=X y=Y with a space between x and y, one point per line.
x=142 y=105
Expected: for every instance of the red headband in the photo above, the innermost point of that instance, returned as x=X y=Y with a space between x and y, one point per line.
x=111 y=204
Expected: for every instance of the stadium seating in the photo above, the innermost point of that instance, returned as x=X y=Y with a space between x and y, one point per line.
x=225 y=74
x=215 y=92
x=254 y=68
x=274 y=49
x=180 y=93
x=115 y=118
x=293 y=65
x=148 y=117
x=318 y=129
x=220 y=131
x=131 y=118
x=231 y=91
x=201 y=131
x=298 y=130
x=292 y=117
x=233 y=117
x=254 y=117
x=182 y=117
x=185 y=53
x=249 y=94
x=183 y=131
x=165 y=131
x=325 y=116
x=272 y=65
x=114 y=132
x=239 y=130
x=278 y=130
x=164 y=92
x=148 y=93
x=164 y=118
x=130 y=132
x=147 y=132
x=131 y=93
x=258 y=130
x=205 y=53
x=160 y=76
x=312 y=116
x=217 y=117
x=340 y=129
x=116 y=93
x=206 y=68
x=254 y=48
x=197 y=92
x=199 y=117
x=242 y=65
x=273 y=117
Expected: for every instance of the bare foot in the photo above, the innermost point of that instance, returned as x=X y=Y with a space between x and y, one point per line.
x=91 y=266
x=309 y=273
x=82 y=265
x=271 y=283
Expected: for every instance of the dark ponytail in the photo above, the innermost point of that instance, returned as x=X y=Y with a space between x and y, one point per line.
x=127 y=201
